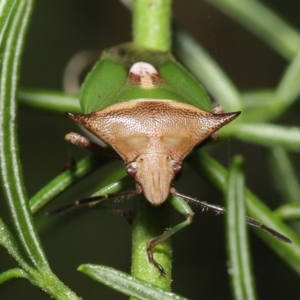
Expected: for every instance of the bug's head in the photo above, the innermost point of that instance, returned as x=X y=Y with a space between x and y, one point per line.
x=154 y=172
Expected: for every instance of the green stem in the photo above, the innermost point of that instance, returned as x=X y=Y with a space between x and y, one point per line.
x=151 y=29
x=50 y=284
x=152 y=23
x=150 y=222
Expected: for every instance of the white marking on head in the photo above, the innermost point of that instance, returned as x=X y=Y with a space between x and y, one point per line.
x=145 y=75
x=141 y=68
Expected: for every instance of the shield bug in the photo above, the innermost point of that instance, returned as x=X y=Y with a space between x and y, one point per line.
x=152 y=113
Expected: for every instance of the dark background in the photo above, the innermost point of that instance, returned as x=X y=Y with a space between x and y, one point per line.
x=58 y=30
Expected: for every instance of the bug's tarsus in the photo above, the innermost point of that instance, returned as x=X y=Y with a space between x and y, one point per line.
x=150 y=245
x=152 y=260
x=269 y=230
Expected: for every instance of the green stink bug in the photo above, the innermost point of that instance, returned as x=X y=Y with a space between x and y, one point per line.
x=152 y=113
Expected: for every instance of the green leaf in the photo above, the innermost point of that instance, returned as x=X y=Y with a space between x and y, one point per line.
x=284 y=173
x=49 y=100
x=127 y=284
x=289 y=85
x=267 y=135
x=216 y=174
x=207 y=71
x=43 y=277
x=5 y=10
x=237 y=237
x=11 y=275
x=9 y=242
x=288 y=211
x=63 y=181
x=267 y=25
x=262 y=106
x=37 y=270
x=11 y=174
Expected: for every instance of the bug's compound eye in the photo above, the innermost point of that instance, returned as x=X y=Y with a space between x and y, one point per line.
x=176 y=166
x=132 y=169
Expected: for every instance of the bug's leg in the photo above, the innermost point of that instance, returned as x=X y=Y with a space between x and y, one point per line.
x=254 y=223
x=180 y=205
x=221 y=210
x=83 y=142
x=127 y=214
x=92 y=201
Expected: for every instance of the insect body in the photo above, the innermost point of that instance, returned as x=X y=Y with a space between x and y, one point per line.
x=152 y=120
x=153 y=137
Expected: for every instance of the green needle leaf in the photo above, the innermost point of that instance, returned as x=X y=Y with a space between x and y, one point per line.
x=55 y=101
x=8 y=241
x=5 y=10
x=264 y=23
x=288 y=211
x=63 y=181
x=267 y=135
x=217 y=175
x=207 y=71
x=127 y=284
x=237 y=243
x=38 y=271
x=284 y=173
x=289 y=86
x=11 y=174
x=262 y=106
x=11 y=275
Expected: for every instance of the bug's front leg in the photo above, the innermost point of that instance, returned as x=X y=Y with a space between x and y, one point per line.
x=83 y=142
x=180 y=205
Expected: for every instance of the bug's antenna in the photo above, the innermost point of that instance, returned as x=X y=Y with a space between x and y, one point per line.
x=221 y=210
x=92 y=201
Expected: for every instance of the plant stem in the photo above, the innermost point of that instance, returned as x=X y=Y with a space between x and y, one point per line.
x=150 y=222
x=152 y=23
x=151 y=30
